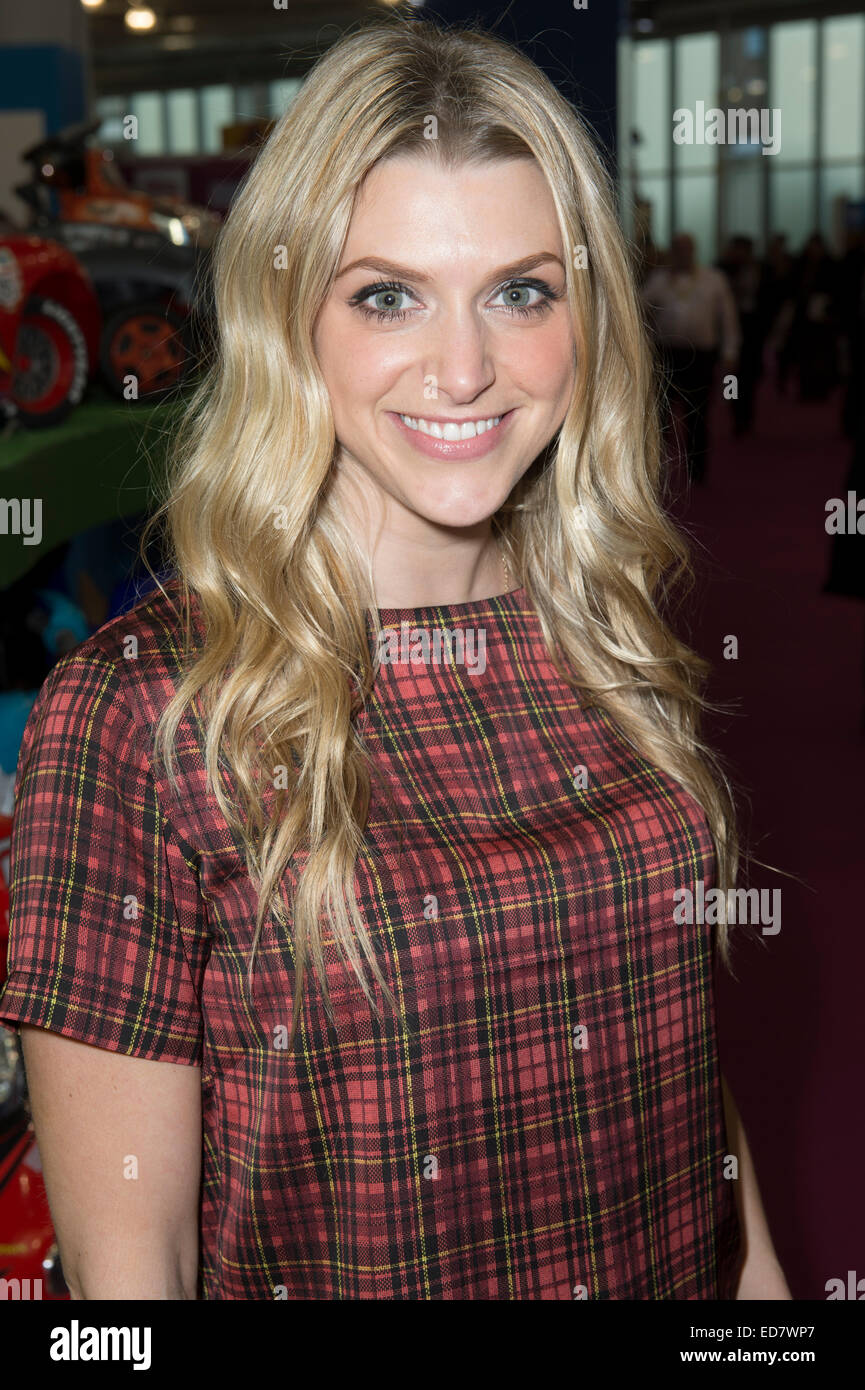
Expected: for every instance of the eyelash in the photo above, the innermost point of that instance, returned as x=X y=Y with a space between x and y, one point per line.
x=397 y=315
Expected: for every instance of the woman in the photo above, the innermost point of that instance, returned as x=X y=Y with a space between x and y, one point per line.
x=373 y=820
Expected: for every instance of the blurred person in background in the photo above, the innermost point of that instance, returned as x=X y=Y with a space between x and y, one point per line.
x=846 y=574
x=778 y=266
x=694 y=318
x=814 y=330
x=849 y=316
x=749 y=285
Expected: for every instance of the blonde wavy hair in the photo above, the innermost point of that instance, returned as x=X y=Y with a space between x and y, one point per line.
x=287 y=661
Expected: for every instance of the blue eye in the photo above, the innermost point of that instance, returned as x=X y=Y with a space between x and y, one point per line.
x=517 y=289
x=525 y=287
x=387 y=297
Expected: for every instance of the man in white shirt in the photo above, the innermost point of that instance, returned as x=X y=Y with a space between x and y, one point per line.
x=694 y=317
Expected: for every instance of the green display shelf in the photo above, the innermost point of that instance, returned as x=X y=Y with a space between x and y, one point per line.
x=98 y=466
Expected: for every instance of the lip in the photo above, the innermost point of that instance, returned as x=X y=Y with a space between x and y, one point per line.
x=454 y=448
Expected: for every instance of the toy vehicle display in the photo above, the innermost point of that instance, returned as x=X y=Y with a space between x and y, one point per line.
x=56 y=330
x=73 y=182
x=50 y=327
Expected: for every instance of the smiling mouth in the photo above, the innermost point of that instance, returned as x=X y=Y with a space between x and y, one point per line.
x=453 y=440
x=451 y=430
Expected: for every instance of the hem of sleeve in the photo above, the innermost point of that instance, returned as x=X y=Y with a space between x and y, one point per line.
x=30 y=1005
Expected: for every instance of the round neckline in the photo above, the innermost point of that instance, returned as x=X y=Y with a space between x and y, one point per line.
x=388 y=616
x=469 y=608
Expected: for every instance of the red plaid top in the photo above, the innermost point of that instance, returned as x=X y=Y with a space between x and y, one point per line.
x=549 y=1124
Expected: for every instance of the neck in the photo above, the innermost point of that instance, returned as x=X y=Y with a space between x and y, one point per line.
x=417 y=563
x=438 y=570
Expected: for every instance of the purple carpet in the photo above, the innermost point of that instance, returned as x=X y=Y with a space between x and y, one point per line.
x=791 y=1025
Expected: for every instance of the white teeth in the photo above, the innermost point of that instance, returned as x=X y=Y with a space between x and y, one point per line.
x=467 y=430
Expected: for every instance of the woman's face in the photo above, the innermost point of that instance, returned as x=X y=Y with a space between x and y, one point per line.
x=449 y=309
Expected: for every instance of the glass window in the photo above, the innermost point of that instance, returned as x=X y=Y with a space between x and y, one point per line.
x=282 y=94
x=182 y=122
x=252 y=100
x=742 y=206
x=754 y=43
x=791 y=204
x=843 y=99
x=217 y=110
x=696 y=80
x=696 y=210
x=793 y=86
x=148 y=107
x=838 y=183
x=744 y=88
x=111 y=110
x=656 y=193
x=652 y=117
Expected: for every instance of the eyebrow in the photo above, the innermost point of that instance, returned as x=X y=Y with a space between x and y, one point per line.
x=406 y=273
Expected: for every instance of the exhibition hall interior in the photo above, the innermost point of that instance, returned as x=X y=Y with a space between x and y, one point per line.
x=733 y=136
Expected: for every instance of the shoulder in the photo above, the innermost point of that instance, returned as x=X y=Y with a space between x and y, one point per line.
x=117 y=681
x=145 y=646
x=148 y=638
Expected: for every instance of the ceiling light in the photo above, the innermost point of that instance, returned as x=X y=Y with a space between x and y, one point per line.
x=139 y=17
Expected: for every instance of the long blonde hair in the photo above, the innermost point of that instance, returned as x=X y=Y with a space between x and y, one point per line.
x=287 y=662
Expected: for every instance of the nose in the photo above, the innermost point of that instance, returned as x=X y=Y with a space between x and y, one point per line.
x=458 y=362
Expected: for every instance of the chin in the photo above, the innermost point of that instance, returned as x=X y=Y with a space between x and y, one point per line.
x=460 y=510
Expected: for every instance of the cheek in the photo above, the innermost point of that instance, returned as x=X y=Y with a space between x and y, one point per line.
x=344 y=367
x=543 y=362
x=359 y=366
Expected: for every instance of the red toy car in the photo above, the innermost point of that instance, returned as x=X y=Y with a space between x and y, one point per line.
x=50 y=325
x=53 y=336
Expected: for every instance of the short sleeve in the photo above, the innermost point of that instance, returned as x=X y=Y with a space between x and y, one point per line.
x=97 y=950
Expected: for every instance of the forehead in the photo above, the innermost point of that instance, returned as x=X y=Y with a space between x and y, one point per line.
x=498 y=210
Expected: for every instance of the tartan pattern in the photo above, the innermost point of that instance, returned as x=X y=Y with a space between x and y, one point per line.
x=488 y=1149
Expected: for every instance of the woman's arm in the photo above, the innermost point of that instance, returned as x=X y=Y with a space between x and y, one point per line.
x=120 y=1142
x=762 y=1276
